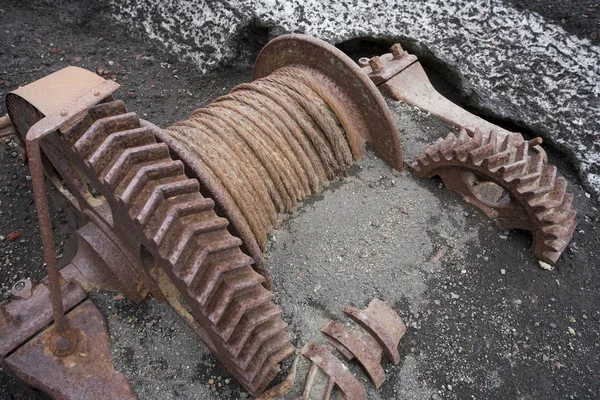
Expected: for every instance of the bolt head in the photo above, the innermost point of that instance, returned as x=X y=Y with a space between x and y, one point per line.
x=63 y=113
x=376 y=64
x=397 y=50
x=63 y=344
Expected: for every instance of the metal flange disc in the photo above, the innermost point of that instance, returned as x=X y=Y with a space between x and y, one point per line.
x=349 y=92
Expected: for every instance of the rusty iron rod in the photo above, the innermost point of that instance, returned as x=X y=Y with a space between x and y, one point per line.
x=41 y=203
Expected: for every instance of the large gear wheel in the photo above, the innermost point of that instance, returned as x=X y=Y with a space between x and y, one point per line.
x=509 y=180
x=127 y=183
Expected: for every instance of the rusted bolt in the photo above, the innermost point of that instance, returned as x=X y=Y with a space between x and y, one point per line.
x=376 y=64
x=22 y=289
x=397 y=50
x=363 y=61
x=63 y=344
x=96 y=93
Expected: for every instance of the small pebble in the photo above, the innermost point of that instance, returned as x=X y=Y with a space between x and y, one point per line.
x=546 y=266
x=503 y=271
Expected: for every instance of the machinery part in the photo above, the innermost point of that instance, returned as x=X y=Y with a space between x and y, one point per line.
x=282 y=389
x=22 y=290
x=85 y=373
x=381 y=68
x=383 y=323
x=363 y=353
x=6 y=127
x=323 y=88
x=180 y=234
x=510 y=182
x=127 y=184
x=361 y=109
x=400 y=76
x=269 y=144
x=339 y=375
x=27 y=317
x=144 y=212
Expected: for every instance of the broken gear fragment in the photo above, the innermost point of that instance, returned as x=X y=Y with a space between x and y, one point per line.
x=510 y=181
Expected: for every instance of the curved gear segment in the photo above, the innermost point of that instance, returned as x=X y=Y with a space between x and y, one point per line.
x=510 y=181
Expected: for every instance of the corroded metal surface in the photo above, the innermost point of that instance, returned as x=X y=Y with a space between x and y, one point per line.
x=338 y=373
x=268 y=145
x=26 y=317
x=355 y=100
x=363 y=353
x=383 y=323
x=399 y=76
x=86 y=372
x=185 y=247
x=382 y=68
x=510 y=182
x=283 y=388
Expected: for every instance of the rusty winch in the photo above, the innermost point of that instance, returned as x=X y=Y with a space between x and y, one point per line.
x=183 y=213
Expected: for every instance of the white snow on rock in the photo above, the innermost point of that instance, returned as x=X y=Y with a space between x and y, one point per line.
x=514 y=63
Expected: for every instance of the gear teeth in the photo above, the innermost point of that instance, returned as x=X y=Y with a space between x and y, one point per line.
x=128 y=158
x=160 y=193
x=479 y=154
x=214 y=275
x=108 y=109
x=460 y=152
x=183 y=229
x=128 y=190
x=115 y=142
x=103 y=110
x=520 y=168
x=275 y=358
x=493 y=140
x=250 y=322
x=446 y=147
x=495 y=161
x=268 y=348
x=195 y=205
x=463 y=136
x=232 y=283
x=193 y=230
x=196 y=271
x=101 y=129
x=559 y=214
x=240 y=305
x=264 y=333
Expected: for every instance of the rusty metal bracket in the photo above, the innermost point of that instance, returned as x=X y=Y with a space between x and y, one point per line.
x=84 y=372
x=401 y=77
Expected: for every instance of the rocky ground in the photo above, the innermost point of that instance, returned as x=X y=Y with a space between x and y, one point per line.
x=484 y=322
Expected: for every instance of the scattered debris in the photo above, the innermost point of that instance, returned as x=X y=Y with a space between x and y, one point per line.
x=439 y=254
x=14 y=235
x=368 y=357
x=338 y=374
x=383 y=323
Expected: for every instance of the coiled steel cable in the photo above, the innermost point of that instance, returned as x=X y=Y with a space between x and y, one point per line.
x=270 y=144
